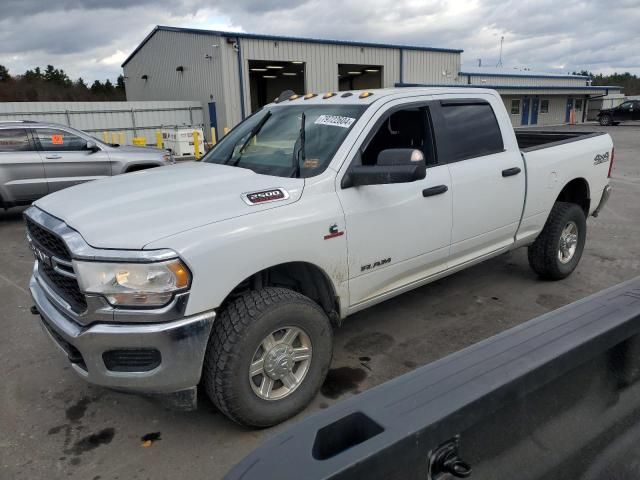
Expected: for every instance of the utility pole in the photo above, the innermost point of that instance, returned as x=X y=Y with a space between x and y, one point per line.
x=500 y=59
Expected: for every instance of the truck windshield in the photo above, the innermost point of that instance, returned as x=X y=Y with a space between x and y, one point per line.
x=272 y=142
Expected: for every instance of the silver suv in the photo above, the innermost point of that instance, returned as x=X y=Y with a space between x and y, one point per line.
x=38 y=158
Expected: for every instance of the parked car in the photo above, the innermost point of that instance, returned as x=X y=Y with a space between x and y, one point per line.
x=38 y=158
x=230 y=272
x=629 y=110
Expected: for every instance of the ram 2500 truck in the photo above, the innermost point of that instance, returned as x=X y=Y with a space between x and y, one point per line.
x=230 y=273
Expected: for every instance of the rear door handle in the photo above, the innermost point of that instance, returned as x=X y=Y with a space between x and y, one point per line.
x=53 y=157
x=511 y=171
x=430 y=192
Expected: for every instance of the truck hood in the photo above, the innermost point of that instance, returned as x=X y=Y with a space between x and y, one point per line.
x=129 y=211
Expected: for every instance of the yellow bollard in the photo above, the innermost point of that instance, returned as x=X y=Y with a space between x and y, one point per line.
x=159 y=139
x=123 y=138
x=226 y=130
x=105 y=137
x=196 y=144
x=140 y=141
x=213 y=136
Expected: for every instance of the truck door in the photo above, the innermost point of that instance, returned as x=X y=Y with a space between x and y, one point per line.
x=67 y=161
x=487 y=179
x=397 y=234
x=636 y=111
x=21 y=171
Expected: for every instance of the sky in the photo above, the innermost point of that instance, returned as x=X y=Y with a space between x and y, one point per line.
x=91 y=38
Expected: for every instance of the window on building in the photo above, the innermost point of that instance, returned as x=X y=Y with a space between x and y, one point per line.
x=544 y=106
x=578 y=105
x=14 y=140
x=52 y=140
x=515 y=107
x=469 y=131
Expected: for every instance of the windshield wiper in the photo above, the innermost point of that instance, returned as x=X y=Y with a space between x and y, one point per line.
x=254 y=131
x=299 y=155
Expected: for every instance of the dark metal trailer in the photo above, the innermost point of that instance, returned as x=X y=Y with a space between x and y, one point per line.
x=557 y=397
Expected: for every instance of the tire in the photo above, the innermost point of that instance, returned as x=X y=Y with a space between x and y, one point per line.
x=546 y=255
x=605 y=120
x=236 y=342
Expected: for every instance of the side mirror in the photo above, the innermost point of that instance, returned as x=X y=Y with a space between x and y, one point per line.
x=395 y=165
x=92 y=147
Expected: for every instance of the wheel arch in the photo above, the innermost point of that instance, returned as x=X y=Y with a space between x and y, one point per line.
x=136 y=167
x=577 y=191
x=303 y=277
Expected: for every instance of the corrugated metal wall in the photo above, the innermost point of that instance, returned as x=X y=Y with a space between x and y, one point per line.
x=200 y=81
x=430 y=67
x=524 y=81
x=131 y=118
x=218 y=79
x=321 y=65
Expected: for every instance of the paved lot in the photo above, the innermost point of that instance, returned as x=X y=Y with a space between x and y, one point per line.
x=53 y=425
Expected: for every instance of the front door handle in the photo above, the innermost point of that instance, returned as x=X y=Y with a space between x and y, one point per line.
x=53 y=157
x=511 y=171
x=430 y=192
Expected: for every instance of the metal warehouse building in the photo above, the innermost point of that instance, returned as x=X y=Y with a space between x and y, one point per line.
x=234 y=74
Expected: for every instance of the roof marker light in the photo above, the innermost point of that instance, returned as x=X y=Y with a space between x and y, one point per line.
x=329 y=95
x=310 y=95
x=294 y=97
x=365 y=94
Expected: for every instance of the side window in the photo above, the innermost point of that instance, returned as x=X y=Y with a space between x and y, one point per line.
x=544 y=106
x=469 y=130
x=407 y=128
x=14 y=140
x=626 y=106
x=52 y=140
x=515 y=106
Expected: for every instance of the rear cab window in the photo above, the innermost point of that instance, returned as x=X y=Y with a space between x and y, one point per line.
x=14 y=140
x=467 y=128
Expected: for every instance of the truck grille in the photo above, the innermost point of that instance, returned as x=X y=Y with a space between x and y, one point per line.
x=66 y=286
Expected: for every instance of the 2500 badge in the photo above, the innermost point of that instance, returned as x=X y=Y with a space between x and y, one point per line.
x=264 y=196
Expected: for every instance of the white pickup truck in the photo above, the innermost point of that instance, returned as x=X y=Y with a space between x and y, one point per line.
x=230 y=273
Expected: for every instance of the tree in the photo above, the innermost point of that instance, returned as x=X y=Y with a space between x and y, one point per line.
x=4 y=74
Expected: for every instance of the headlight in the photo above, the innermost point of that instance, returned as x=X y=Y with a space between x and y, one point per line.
x=133 y=284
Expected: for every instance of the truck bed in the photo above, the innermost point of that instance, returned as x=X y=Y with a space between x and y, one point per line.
x=534 y=140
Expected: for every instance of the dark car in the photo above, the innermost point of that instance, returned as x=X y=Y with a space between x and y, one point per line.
x=629 y=110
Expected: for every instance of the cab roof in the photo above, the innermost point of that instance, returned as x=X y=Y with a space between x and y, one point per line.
x=367 y=97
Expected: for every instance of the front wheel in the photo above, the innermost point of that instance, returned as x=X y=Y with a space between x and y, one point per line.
x=557 y=250
x=605 y=120
x=268 y=355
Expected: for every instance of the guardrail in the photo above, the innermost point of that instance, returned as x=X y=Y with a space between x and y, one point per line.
x=557 y=397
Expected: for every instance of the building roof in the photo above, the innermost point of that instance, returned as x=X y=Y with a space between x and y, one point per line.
x=577 y=88
x=281 y=38
x=512 y=72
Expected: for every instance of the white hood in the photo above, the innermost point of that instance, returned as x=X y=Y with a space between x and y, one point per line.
x=129 y=211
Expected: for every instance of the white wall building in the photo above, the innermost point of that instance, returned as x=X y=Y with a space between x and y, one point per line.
x=233 y=74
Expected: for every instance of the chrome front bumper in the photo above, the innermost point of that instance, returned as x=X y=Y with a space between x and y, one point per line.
x=182 y=344
x=606 y=193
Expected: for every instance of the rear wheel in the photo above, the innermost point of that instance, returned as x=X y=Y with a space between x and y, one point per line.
x=606 y=120
x=268 y=355
x=558 y=249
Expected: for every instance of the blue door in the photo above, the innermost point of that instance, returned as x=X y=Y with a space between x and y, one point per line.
x=535 y=103
x=525 y=110
x=569 y=108
x=213 y=120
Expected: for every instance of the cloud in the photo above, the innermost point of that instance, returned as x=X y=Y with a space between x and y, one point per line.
x=89 y=38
